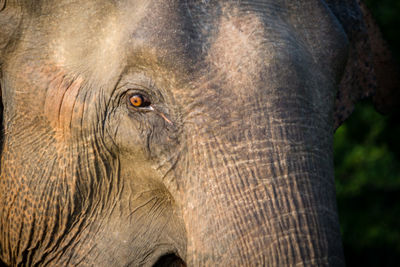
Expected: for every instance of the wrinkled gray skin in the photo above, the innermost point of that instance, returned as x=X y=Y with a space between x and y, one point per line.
x=231 y=167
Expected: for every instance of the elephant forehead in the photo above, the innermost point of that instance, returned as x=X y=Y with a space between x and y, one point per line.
x=98 y=38
x=238 y=51
x=86 y=38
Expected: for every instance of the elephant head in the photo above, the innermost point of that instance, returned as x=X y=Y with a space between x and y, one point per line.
x=151 y=133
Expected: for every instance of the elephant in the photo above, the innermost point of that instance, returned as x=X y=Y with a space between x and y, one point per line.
x=179 y=132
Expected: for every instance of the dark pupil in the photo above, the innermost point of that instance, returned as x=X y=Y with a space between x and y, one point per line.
x=137 y=99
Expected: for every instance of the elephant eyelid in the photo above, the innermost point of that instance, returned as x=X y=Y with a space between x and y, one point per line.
x=139 y=101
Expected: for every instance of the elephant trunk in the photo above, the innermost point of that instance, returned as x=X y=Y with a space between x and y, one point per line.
x=259 y=188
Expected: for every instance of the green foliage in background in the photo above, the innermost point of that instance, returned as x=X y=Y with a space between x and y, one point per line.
x=367 y=169
x=387 y=15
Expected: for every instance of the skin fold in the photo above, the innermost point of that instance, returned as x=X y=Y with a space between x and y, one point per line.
x=228 y=163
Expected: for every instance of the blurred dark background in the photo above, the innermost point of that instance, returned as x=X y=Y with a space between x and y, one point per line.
x=367 y=168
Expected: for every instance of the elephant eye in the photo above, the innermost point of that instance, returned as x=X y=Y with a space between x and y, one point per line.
x=139 y=101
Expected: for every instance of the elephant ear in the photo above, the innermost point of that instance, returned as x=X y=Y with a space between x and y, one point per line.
x=10 y=20
x=370 y=70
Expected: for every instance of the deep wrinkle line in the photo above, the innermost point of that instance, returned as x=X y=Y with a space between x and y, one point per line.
x=61 y=100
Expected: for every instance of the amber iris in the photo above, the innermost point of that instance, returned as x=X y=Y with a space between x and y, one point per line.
x=138 y=101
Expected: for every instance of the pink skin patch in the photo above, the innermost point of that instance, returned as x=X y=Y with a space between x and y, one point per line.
x=61 y=105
